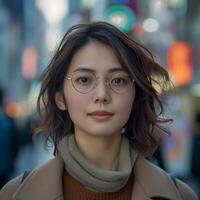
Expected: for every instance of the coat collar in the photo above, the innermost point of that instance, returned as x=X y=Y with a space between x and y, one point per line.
x=45 y=183
x=151 y=181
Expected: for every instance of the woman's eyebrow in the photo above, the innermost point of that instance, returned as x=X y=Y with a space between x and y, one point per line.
x=85 y=69
x=116 y=69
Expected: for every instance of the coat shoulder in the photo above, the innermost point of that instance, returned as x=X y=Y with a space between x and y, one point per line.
x=158 y=183
x=185 y=191
x=48 y=175
x=10 y=188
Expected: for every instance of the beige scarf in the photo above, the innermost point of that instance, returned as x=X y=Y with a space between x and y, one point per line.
x=91 y=176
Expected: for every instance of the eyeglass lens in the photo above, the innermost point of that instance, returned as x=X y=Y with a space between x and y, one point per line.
x=84 y=82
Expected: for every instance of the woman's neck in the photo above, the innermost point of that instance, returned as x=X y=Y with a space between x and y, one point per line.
x=102 y=151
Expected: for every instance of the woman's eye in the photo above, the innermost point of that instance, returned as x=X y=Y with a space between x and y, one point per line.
x=118 y=81
x=83 y=80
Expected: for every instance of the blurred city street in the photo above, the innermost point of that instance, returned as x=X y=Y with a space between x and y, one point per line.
x=30 y=31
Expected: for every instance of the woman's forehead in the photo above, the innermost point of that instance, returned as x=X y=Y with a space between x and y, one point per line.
x=95 y=56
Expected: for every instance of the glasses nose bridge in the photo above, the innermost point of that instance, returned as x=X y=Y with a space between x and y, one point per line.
x=106 y=81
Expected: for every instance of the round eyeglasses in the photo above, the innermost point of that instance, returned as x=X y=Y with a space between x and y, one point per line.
x=84 y=81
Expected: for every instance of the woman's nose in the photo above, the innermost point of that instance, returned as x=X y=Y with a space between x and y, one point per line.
x=101 y=92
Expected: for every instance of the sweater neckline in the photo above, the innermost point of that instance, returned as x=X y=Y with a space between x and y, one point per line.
x=73 y=189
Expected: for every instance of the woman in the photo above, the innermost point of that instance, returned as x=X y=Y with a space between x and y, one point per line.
x=99 y=107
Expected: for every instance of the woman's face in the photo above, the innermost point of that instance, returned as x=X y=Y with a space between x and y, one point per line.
x=101 y=111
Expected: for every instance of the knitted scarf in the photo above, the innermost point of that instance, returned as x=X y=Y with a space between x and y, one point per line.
x=91 y=176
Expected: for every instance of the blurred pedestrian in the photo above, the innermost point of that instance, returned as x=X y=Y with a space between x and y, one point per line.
x=6 y=143
x=195 y=166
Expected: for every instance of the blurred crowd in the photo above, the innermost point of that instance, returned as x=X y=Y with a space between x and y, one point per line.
x=12 y=138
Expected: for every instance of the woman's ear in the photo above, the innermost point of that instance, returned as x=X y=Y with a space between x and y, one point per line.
x=60 y=102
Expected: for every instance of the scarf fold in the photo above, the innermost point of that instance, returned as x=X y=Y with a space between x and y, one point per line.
x=91 y=176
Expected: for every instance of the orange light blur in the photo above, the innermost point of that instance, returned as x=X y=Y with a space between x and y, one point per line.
x=180 y=63
x=17 y=109
x=13 y=110
x=29 y=62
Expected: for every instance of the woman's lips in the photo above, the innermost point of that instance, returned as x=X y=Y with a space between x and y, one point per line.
x=100 y=115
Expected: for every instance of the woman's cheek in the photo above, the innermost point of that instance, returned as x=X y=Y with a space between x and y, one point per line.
x=126 y=101
x=76 y=103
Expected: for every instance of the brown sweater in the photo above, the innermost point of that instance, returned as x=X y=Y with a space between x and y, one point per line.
x=73 y=190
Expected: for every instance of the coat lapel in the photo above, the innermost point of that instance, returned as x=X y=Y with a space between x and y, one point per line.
x=151 y=182
x=44 y=183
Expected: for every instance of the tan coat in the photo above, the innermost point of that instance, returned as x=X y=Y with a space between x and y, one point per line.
x=45 y=183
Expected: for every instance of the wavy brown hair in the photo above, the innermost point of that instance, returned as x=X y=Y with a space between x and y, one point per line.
x=147 y=111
